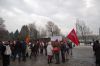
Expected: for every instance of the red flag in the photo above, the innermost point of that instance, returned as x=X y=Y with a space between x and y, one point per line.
x=73 y=37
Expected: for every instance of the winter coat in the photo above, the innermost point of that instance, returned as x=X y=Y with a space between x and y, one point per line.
x=7 y=50
x=97 y=51
x=49 y=50
x=63 y=47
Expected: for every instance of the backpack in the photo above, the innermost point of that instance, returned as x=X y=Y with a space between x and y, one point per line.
x=56 y=49
x=7 y=50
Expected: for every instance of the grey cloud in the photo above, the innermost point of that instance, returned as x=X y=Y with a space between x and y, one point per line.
x=60 y=11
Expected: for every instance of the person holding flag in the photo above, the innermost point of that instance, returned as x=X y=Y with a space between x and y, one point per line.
x=73 y=37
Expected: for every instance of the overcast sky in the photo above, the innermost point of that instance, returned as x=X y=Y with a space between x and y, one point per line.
x=62 y=12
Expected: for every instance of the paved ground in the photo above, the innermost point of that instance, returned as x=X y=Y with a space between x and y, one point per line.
x=82 y=56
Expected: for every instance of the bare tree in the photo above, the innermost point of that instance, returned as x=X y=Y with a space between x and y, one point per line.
x=34 y=33
x=42 y=32
x=52 y=28
x=4 y=34
x=56 y=30
x=2 y=26
x=83 y=30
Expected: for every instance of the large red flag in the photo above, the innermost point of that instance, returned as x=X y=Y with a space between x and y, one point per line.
x=73 y=37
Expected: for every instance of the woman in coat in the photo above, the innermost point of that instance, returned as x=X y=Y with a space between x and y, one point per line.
x=49 y=52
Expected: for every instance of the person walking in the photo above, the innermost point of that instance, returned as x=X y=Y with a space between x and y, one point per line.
x=6 y=52
x=49 y=52
x=45 y=48
x=41 y=47
x=28 y=50
x=63 y=50
x=70 y=48
x=97 y=52
x=23 y=49
x=1 y=45
x=67 y=52
x=18 y=50
x=56 y=51
x=94 y=45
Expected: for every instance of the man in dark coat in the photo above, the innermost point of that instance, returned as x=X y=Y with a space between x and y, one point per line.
x=1 y=45
x=97 y=52
x=6 y=52
x=18 y=49
x=63 y=50
x=23 y=50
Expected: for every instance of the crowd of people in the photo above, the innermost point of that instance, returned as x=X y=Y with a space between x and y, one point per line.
x=21 y=50
x=96 y=49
